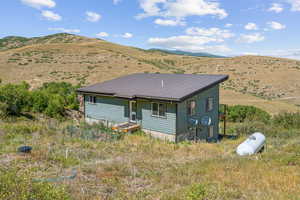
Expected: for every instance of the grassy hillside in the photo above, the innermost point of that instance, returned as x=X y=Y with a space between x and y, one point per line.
x=76 y=59
x=185 y=53
x=138 y=167
x=12 y=42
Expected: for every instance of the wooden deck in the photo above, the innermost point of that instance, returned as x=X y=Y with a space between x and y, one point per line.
x=126 y=127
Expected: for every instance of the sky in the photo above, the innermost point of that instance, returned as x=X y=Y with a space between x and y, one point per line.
x=223 y=27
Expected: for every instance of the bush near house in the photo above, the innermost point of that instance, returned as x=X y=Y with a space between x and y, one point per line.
x=241 y=113
x=14 y=99
x=51 y=99
x=249 y=119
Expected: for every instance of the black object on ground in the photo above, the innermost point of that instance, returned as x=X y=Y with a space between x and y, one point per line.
x=25 y=149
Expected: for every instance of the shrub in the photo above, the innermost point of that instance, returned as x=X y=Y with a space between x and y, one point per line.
x=196 y=192
x=66 y=90
x=16 y=98
x=250 y=127
x=241 y=113
x=56 y=107
x=268 y=129
x=63 y=160
x=16 y=185
x=97 y=131
x=287 y=120
x=21 y=128
x=52 y=99
x=40 y=101
x=3 y=110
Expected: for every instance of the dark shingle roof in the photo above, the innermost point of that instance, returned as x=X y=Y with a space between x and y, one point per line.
x=174 y=87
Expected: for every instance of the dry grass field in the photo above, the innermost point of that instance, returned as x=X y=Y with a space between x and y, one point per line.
x=270 y=83
x=139 y=167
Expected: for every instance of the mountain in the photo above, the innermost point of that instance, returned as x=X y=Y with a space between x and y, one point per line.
x=12 y=42
x=267 y=82
x=186 y=53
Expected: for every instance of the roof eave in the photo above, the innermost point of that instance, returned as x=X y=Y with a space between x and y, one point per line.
x=129 y=97
x=226 y=77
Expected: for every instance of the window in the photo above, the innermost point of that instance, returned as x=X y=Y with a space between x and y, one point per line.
x=162 y=110
x=191 y=107
x=91 y=99
x=210 y=131
x=209 y=104
x=159 y=109
x=154 y=109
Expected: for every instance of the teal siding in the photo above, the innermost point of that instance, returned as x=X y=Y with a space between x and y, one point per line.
x=200 y=98
x=117 y=111
x=107 y=108
x=160 y=124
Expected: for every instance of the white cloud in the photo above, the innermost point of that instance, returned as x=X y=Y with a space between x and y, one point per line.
x=251 y=38
x=288 y=53
x=180 y=9
x=116 y=1
x=188 y=43
x=92 y=16
x=250 y=54
x=276 y=7
x=102 y=34
x=295 y=4
x=127 y=35
x=38 y=4
x=218 y=34
x=51 y=16
x=195 y=40
x=169 y=22
x=64 y=30
x=228 y=25
x=183 y=40
x=276 y=25
x=251 y=26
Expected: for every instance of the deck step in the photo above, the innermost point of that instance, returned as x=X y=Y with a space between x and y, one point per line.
x=126 y=127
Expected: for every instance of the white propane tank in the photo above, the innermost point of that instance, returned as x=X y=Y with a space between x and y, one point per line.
x=252 y=145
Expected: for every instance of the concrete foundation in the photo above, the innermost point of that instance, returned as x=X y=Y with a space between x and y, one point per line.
x=97 y=121
x=159 y=135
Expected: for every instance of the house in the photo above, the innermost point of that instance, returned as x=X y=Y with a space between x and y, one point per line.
x=173 y=107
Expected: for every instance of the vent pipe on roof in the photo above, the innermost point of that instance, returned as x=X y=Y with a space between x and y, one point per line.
x=162 y=83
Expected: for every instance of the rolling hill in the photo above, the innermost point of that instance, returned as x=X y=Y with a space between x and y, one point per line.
x=185 y=53
x=267 y=82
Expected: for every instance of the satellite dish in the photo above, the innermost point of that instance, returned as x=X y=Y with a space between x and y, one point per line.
x=206 y=121
x=193 y=121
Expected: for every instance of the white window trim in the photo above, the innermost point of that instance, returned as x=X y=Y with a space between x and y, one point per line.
x=195 y=109
x=130 y=111
x=208 y=109
x=92 y=99
x=159 y=116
